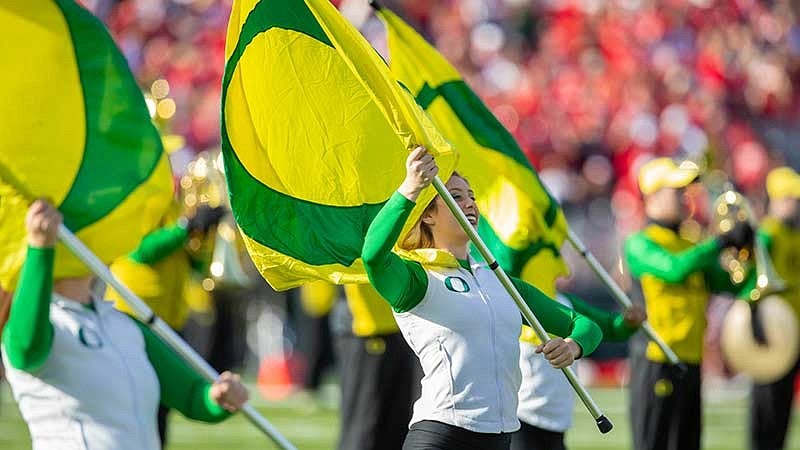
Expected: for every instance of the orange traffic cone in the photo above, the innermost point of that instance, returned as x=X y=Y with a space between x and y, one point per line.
x=277 y=375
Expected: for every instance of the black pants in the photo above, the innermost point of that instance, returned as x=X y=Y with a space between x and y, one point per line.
x=228 y=346
x=316 y=343
x=666 y=408
x=163 y=412
x=432 y=435
x=530 y=437
x=379 y=377
x=770 y=411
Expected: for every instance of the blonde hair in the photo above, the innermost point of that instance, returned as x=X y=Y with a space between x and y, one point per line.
x=421 y=234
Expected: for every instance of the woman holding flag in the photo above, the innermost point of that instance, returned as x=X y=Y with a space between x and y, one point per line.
x=458 y=319
x=87 y=376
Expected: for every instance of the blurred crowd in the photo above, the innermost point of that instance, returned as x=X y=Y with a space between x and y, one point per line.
x=590 y=88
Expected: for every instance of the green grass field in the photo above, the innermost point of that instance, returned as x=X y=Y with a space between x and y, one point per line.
x=724 y=419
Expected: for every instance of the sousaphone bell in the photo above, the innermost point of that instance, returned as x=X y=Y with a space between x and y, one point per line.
x=759 y=336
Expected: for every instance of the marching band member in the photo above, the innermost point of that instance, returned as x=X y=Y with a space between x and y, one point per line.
x=677 y=277
x=771 y=404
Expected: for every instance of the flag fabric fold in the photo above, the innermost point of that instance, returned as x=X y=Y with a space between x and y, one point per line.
x=315 y=134
x=76 y=131
x=522 y=224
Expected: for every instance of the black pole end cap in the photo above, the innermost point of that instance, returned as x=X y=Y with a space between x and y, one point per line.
x=603 y=424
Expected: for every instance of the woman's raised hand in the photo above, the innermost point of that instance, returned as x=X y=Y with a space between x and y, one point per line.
x=42 y=223
x=421 y=168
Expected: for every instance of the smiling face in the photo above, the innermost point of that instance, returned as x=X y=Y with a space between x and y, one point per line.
x=446 y=231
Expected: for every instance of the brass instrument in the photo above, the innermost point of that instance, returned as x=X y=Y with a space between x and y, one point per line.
x=204 y=184
x=759 y=337
x=730 y=208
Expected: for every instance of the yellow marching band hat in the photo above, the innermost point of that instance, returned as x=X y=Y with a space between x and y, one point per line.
x=661 y=173
x=783 y=182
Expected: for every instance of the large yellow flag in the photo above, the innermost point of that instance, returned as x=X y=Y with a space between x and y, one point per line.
x=521 y=222
x=315 y=134
x=75 y=130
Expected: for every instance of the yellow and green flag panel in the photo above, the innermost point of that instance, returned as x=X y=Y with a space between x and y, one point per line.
x=315 y=134
x=75 y=130
x=521 y=223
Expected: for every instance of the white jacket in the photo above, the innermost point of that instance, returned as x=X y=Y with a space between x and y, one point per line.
x=97 y=389
x=546 y=399
x=465 y=332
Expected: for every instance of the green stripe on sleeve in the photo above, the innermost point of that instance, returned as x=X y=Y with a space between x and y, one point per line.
x=181 y=387
x=559 y=320
x=611 y=323
x=159 y=244
x=402 y=283
x=28 y=335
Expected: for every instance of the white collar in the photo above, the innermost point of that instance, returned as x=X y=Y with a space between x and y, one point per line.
x=101 y=307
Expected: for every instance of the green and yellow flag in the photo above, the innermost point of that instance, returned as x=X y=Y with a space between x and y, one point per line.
x=74 y=130
x=521 y=223
x=315 y=134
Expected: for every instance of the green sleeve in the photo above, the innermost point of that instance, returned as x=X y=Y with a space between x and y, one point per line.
x=559 y=320
x=402 y=283
x=719 y=280
x=645 y=257
x=159 y=244
x=612 y=324
x=181 y=387
x=28 y=335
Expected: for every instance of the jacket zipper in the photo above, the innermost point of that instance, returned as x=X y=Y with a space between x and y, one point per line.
x=494 y=352
x=448 y=366
x=119 y=356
